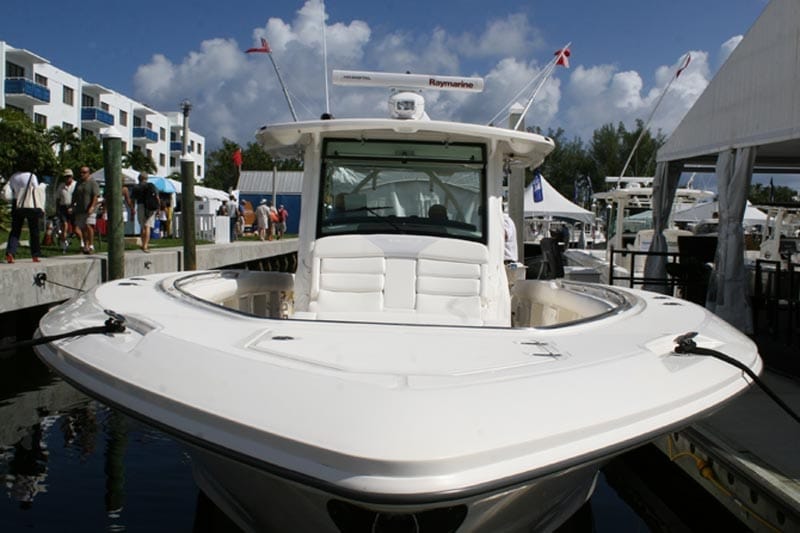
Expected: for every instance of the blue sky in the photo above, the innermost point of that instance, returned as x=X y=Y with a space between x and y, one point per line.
x=624 y=52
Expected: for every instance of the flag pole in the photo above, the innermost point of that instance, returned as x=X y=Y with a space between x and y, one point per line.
x=283 y=86
x=550 y=67
x=650 y=117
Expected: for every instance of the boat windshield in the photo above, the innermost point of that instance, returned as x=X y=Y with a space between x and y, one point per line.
x=425 y=188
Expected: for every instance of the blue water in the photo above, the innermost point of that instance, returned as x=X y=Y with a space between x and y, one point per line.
x=69 y=463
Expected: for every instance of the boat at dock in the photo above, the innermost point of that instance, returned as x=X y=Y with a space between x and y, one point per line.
x=399 y=380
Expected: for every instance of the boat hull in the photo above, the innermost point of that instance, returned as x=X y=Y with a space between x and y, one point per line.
x=258 y=500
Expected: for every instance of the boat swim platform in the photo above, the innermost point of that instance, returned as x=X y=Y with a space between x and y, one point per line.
x=66 y=273
x=747 y=456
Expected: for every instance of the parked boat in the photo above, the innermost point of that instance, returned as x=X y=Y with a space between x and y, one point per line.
x=397 y=381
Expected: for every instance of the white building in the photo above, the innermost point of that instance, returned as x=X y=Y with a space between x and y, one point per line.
x=52 y=97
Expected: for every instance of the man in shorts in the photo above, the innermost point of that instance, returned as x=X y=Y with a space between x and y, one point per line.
x=66 y=220
x=147 y=217
x=84 y=203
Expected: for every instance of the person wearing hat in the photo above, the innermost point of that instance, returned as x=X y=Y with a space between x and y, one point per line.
x=262 y=219
x=66 y=220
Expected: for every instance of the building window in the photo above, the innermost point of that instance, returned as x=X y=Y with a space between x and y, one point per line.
x=137 y=122
x=68 y=95
x=86 y=133
x=15 y=108
x=104 y=106
x=137 y=148
x=172 y=162
x=162 y=134
x=199 y=149
x=40 y=119
x=172 y=136
x=66 y=125
x=199 y=170
x=41 y=80
x=14 y=71
x=191 y=146
x=123 y=118
x=149 y=125
x=149 y=153
x=87 y=100
x=162 y=159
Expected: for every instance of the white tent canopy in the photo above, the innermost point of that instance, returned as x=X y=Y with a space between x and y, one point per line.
x=553 y=204
x=128 y=175
x=705 y=211
x=202 y=192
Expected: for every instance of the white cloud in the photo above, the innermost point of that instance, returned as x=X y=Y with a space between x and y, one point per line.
x=601 y=95
x=233 y=94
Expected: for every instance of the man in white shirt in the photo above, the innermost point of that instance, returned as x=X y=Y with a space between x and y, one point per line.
x=510 y=251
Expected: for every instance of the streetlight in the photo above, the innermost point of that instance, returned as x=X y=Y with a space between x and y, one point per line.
x=186 y=107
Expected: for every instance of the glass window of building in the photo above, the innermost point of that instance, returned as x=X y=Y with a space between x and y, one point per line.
x=41 y=80
x=162 y=159
x=87 y=100
x=68 y=95
x=14 y=71
x=123 y=118
x=104 y=106
x=40 y=119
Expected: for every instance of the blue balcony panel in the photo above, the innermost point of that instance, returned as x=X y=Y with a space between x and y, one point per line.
x=28 y=89
x=95 y=114
x=144 y=133
x=176 y=146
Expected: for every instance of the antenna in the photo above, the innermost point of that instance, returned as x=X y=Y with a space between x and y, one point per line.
x=406 y=81
x=325 y=62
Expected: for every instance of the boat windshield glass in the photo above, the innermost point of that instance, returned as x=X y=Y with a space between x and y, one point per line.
x=425 y=188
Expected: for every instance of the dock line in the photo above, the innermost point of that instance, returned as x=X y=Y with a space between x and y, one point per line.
x=686 y=345
x=114 y=324
x=41 y=278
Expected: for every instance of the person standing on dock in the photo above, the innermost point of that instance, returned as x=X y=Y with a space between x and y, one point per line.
x=262 y=219
x=283 y=216
x=145 y=202
x=84 y=203
x=24 y=208
x=64 y=205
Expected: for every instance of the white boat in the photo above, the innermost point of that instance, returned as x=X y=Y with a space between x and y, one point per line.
x=630 y=227
x=396 y=382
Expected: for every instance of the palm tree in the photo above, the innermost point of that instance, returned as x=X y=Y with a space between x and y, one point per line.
x=139 y=160
x=64 y=137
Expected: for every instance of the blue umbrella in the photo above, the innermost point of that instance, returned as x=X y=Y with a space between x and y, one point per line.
x=162 y=184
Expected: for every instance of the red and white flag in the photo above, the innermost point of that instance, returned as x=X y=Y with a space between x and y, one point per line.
x=264 y=49
x=562 y=57
x=684 y=65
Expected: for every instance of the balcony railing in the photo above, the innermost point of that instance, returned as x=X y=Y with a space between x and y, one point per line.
x=144 y=133
x=95 y=114
x=176 y=146
x=27 y=88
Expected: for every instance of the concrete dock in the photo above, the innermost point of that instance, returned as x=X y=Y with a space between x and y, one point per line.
x=747 y=455
x=65 y=274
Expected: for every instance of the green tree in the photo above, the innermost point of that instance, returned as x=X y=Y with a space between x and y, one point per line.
x=765 y=194
x=140 y=161
x=65 y=138
x=566 y=163
x=23 y=146
x=222 y=174
x=88 y=153
x=611 y=147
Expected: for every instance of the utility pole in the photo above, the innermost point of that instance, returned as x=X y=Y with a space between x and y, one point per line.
x=187 y=195
x=112 y=167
